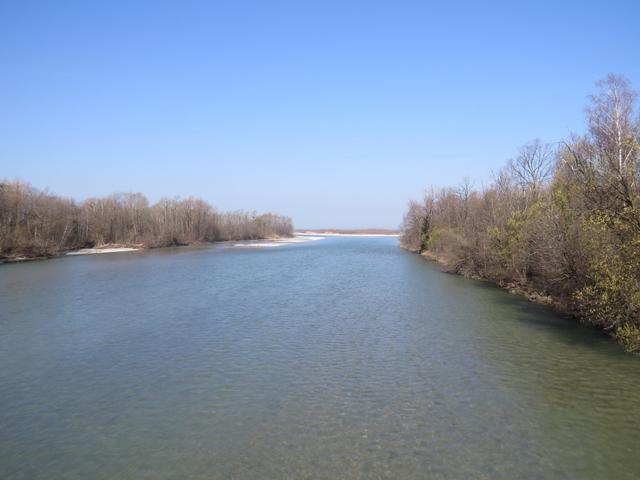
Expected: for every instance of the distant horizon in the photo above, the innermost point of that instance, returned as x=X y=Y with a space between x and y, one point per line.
x=333 y=114
x=350 y=230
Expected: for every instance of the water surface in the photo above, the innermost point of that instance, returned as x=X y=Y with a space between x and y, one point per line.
x=341 y=358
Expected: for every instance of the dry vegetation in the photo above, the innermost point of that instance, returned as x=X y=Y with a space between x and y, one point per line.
x=561 y=223
x=35 y=223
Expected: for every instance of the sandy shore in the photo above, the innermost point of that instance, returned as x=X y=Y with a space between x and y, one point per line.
x=279 y=241
x=265 y=243
x=91 y=251
x=262 y=243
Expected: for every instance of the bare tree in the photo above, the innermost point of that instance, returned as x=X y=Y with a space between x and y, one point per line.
x=612 y=125
x=533 y=167
x=37 y=223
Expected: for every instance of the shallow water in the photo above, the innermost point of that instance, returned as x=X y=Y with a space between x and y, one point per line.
x=341 y=358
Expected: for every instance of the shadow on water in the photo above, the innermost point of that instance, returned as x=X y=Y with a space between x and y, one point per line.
x=569 y=329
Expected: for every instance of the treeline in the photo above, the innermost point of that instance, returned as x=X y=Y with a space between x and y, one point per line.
x=561 y=222
x=35 y=223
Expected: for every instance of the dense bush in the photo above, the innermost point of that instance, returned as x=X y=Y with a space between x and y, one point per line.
x=560 y=221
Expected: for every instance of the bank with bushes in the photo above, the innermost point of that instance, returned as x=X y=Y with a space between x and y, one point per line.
x=560 y=222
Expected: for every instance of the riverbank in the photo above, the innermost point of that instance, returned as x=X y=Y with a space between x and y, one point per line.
x=627 y=337
x=512 y=287
x=122 y=248
x=102 y=249
x=99 y=250
x=265 y=242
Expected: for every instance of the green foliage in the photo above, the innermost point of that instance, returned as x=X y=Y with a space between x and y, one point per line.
x=611 y=297
x=416 y=228
x=628 y=336
x=425 y=233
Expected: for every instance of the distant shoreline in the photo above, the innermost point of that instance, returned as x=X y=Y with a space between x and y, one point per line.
x=350 y=233
x=122 y=248
x=257 y=242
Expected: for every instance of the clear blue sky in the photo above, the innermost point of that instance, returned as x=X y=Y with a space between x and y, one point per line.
x=332 y=112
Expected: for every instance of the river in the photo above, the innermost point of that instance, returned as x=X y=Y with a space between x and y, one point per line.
x=337 y=358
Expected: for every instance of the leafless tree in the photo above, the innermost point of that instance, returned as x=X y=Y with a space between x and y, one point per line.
x=533 y=167
x=36 y=223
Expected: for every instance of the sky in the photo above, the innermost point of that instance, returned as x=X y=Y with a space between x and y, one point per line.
x=332 y=112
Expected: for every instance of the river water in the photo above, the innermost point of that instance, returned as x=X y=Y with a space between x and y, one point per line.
x=338 y=358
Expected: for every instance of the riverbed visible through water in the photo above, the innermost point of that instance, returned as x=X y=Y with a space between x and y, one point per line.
x=338 y=358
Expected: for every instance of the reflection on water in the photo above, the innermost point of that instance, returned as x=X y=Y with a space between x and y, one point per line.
x=345 y=358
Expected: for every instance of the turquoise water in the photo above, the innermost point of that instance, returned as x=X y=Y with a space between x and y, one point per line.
x=340 y=358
